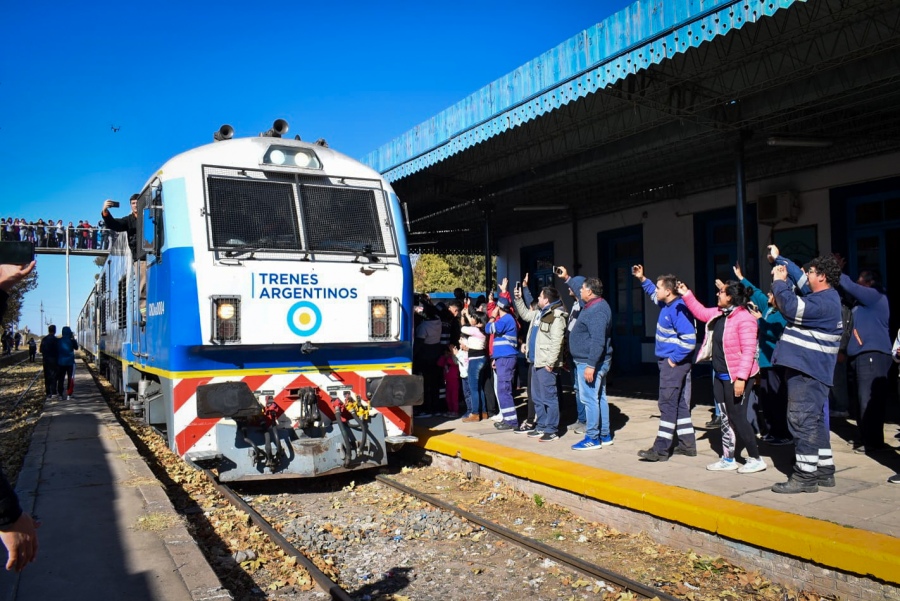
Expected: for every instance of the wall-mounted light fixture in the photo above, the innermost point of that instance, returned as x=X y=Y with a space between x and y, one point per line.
x=799 y=142
x=541 y=208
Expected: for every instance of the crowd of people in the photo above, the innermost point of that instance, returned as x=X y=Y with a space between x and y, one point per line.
x=55 y=234
x=11 y=341
x=778 y=354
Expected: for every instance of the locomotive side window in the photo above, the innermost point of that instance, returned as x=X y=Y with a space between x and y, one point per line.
x=247 y=215
x=342 y=219
x=121 y=306
x=101 y=298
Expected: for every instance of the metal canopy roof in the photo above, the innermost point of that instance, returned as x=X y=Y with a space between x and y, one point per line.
x=665 y=125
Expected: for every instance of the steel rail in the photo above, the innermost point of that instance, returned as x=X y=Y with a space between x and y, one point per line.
x=321 y=579
x=8 y=366
x=529 y=543
x=27 y=390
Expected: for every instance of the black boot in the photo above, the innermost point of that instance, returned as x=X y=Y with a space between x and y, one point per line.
x=715 y=422
x=793 y=486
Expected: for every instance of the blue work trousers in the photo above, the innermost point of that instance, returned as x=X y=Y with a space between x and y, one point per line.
x=546 y=399
x=674 y=407
x=872 y=388
x=806 y=421
x=504 y=370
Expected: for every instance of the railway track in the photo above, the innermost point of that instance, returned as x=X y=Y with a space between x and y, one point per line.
x=530 y=555
x=12 y=379
x=10 y=363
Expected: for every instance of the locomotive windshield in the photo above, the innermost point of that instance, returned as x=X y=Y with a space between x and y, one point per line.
x=256 y=214
x=252 y=214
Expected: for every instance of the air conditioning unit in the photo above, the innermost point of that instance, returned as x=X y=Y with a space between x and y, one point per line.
x=775 y=208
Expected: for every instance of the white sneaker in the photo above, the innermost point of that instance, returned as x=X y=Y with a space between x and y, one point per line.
x=497 y=418
x=723 y=465
x=752 y=466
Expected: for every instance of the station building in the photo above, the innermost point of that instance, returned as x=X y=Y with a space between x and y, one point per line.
x=684 y=135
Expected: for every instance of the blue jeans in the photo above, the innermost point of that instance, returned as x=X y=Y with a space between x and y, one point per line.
x=596 y=407
x=475 y=402
x=546 y=400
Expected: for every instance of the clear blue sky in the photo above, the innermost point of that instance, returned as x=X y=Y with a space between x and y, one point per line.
x=170 y=73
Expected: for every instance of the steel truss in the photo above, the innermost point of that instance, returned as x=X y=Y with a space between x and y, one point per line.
x=829 y=68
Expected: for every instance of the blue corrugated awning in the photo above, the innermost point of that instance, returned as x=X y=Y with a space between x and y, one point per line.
x=644 y=34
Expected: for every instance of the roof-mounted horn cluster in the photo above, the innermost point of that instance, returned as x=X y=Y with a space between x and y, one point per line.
x=278 y=129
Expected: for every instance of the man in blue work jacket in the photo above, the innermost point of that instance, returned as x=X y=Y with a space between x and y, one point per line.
x=808 y=352
x=676 y=338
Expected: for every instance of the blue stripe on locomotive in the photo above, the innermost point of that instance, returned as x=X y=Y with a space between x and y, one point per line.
x=406 y=317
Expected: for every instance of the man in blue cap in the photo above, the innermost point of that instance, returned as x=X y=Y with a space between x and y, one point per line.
x=503 y=326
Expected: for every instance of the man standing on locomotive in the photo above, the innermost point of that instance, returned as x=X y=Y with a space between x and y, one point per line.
x=129 y=224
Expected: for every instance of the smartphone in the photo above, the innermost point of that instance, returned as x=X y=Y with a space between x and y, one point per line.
x=114 y=203
x=518 y=285
x=16 y=253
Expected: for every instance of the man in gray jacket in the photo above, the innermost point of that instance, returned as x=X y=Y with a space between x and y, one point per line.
x=544 y=351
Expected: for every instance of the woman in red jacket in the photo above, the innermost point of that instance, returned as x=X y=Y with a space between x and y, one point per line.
x=731 y=344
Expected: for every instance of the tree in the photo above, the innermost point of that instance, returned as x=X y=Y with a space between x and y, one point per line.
x=469 y=271
x=443 y=273
x=432 y=274
x=17 y=297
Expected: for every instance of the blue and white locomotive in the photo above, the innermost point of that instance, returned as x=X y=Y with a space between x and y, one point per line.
x=276 y=333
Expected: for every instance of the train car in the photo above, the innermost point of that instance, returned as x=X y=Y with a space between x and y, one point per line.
x=273 y=334
x=87 y=326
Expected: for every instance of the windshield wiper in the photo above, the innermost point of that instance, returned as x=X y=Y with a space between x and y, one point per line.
x=241 y=250
x=367 y=253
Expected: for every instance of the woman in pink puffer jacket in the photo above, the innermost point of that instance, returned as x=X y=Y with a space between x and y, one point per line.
x=731 y=344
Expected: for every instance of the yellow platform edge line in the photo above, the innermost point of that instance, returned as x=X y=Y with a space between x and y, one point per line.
x=831 y=545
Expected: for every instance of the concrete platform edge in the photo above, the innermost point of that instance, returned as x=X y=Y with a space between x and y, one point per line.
x=839 y=547
x=192 y=566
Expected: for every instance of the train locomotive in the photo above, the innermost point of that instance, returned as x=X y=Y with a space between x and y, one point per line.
x=271 y=334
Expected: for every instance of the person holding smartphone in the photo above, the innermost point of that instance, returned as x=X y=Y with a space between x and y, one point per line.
x=128 y=224
x=676 y=337
x=18 y=530
x=543 y=349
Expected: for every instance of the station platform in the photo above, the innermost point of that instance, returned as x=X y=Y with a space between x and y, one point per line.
x=853 y=527
x=108 y=530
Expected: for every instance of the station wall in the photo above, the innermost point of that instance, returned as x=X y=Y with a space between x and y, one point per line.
x=671 y=240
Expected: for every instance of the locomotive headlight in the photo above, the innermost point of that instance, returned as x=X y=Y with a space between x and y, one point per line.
x=285 y=156
x=226 y=319
x=225 y=311
x=301 y=159
x=379 y=317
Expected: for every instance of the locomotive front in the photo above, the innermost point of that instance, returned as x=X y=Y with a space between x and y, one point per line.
x=278 y=319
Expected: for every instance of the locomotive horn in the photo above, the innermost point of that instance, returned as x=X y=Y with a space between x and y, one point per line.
x=279 y=128
x=226 y=132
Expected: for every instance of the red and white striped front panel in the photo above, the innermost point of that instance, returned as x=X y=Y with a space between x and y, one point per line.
x=193 y=434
